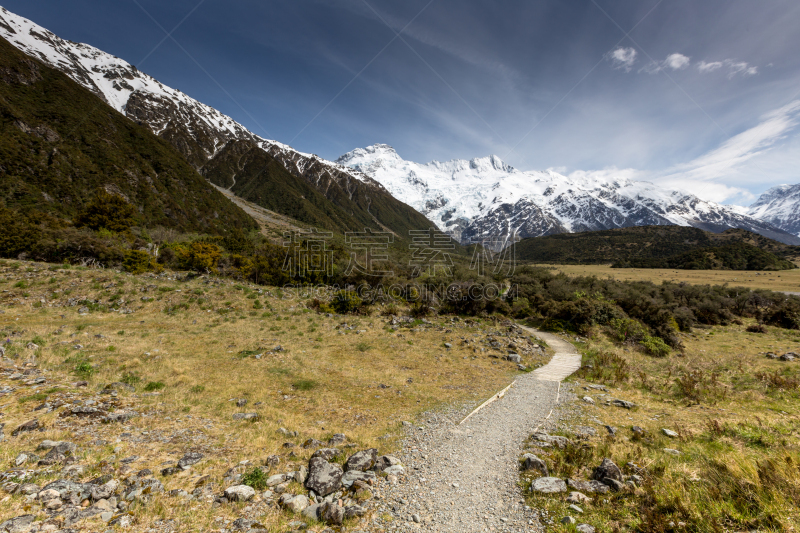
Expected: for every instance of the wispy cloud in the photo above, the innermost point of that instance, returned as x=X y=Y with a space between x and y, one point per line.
x=672 y=62
x=734 y=68
x=724 y=161
x=622 y=58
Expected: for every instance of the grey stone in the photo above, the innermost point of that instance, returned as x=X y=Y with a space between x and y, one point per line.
x=514 y=358
x=575 y=508
x=331 y=513
x=312 y=511
x=396 y=470
x=296 y=504
x=588 y=399
x=362 y=461
x=18 y=524
x=28 y=488
x=584 y=528
x=548 y=485
x=336 y=440
x=671 y=451
x=240 y=493
x=189 y=459
x=351 y=476
x=607 y=469
x=276 y=480
x=354 y=511
x=30 y=425
x=531 y=462
x=623 y=403
x=592 y=486
x=567 y=520
x=616 y=486
x=326 y=453
x=669 y=433
x=323 y=477
x=577 y=497
x=385 y=461
x=245 y=416
x=70 y=491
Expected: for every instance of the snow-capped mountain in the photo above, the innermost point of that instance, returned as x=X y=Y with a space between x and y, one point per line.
x=486 y=200
x=196 y=130
x=779 y=206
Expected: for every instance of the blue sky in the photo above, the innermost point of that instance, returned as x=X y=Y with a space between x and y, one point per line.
x=699 y=95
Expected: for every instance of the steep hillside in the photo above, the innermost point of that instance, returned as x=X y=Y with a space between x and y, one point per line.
x=661 y=247
x=200 y=132
x=485 y=199
x=60 y=145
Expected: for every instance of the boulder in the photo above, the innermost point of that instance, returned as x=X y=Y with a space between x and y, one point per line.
x=531 y=462
x=70 y=491
x=326 y=453
x=354 y=511
x=296 y=504
x=395 y=470
x=336 y=440
x=18 y=524
x=323 y=477
x=623 y=403
x=30 y=425
x=548 y=485
x=592 y=486
x=578 y=497
x=385 y=461
x=669 y=433
x=331 y=513
x=362 y=461
x=607 y=469
x=189 y=459
x=584 y=528
x=514 y=358
x=312 y=511
x=240 y=493
x=351 y=476
x=245 y=416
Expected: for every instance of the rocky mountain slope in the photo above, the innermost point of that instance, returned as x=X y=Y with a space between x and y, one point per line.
x=60 y=146
x=487 y=200
x=200 y=132
x=779 y=206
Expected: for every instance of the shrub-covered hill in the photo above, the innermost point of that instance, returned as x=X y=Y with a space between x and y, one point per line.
x=661 y=247
x=60 y=145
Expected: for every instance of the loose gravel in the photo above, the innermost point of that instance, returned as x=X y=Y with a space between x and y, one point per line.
x=465 y=478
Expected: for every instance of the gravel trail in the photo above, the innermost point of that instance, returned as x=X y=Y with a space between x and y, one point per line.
x=463 y=478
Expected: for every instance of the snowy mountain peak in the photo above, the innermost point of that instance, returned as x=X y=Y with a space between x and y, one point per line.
x=488 y=200
x=779 y=206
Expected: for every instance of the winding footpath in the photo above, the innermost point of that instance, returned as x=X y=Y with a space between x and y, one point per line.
x=463 y=477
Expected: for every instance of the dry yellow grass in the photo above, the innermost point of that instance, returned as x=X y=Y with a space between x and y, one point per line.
x=786 y=281
x=198 y=339
x=739 y=435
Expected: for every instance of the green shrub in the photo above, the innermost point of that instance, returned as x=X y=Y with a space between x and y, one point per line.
x=138 y=262
x=255 y=478
x=107 y=211
x=304 y=384
x=154 y=386
x=655 y=346
x=346 y=302
x=200 y=257
x=84 y=369
x=131 y=378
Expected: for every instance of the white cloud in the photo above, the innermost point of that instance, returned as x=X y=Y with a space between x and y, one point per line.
x=622 y=58
x=672 y=62
x=725 y=161
x=709 y=67
x=677 y=61
x=734 y=67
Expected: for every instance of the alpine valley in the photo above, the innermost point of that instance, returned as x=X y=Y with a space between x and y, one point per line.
x=482 y=199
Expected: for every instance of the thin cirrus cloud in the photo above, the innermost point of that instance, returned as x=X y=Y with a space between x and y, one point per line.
x=672 y=62
x=623 y=58
x=729 y=159
x=734 y=68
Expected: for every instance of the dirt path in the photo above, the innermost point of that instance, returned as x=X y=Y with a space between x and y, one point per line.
x=463 y=478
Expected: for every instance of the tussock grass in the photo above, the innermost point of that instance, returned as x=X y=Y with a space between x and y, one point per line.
x=189 y=367
x=737 y=414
